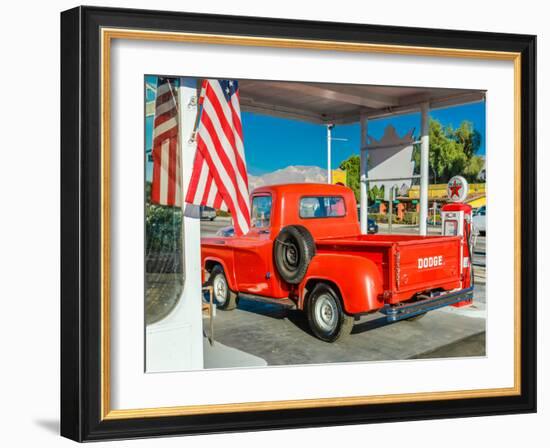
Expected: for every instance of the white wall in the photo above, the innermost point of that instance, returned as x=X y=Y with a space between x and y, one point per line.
x=29 y=182
x=391 y=157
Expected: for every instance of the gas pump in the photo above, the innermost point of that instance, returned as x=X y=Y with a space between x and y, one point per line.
x=456 y=220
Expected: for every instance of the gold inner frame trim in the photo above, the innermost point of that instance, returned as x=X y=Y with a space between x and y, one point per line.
x=107 y=35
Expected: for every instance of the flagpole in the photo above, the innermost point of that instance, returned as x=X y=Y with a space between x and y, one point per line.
x=199 y=109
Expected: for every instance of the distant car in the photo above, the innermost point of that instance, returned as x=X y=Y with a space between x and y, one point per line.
x=208 y=213
x=479 y=210
x=372 y=227
x=226 y=231
x=478 y=220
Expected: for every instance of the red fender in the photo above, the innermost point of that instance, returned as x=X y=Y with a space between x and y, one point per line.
x=226 y=261
x=357 y=278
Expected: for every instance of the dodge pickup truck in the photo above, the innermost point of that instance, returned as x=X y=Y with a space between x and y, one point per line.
x=305 y=250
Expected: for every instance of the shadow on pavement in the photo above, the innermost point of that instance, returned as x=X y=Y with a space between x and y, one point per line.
x=298 y=318
x=370 y=325
x=265 y=309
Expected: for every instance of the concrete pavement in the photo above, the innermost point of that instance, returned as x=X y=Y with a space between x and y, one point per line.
x=282 y=337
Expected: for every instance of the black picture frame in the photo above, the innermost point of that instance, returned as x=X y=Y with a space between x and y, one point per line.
x=81 y=209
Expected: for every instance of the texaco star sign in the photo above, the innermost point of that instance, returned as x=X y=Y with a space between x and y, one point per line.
x=457 y=189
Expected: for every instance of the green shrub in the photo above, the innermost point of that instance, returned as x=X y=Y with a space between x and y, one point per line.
x=410 y=218
x=381 y=218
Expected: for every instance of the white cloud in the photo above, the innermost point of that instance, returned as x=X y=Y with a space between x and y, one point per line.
x=290 y=175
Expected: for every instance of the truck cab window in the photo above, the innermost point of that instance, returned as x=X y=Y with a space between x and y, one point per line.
x=322 y=207
x=261 y=211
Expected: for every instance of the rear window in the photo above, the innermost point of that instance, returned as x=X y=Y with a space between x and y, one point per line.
x=261 y=211
x=322 y=207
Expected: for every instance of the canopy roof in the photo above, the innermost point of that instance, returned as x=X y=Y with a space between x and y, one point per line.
x=324 y=103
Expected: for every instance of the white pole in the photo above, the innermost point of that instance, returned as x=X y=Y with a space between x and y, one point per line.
x=364 y=203
x=329 y=156
x=390 y=207
x=424 y=167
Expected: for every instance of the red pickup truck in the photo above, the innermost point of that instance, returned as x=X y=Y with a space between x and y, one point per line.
x=305 y=249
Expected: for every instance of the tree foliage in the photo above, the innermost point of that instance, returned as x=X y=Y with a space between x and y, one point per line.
x=375 y=193
x=352 y=167
x=452 y=152
x=468 y=137
x=162 y=226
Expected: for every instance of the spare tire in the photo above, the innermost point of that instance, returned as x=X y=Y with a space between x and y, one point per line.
x=293 y=250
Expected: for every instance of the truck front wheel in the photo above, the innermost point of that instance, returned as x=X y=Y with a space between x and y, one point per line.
x=224 y=297
x=325 y=314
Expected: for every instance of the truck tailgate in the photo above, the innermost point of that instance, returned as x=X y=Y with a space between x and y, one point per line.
x=409 y=264
x=426 y=263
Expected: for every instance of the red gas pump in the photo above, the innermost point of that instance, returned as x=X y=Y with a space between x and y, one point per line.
x=456 y=219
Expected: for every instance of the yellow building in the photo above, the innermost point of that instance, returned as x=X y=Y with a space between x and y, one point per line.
x=477 y=202
x=476 y=193
x=339 y=177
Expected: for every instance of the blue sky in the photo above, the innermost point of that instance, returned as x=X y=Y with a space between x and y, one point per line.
x=273 y=143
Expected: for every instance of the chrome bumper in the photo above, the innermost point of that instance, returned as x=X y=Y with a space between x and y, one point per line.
x=404 y=311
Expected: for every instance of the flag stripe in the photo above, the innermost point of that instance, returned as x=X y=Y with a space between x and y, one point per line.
x=167 y=96
x=226 y=154
x=219 y=177
x=165 y=157
x=224 y=164
x=167 y=179
x=201 y=186
x=177 y=187
x=163 y=88
x=164 y=111
x=227 y=119
x=224 y=129
x=164 y=126
x=223 y=181
x=172 y=155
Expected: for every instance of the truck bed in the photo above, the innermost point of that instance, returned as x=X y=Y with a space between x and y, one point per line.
x=407 y=263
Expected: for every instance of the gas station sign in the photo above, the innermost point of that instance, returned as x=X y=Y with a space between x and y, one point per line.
x=457 y=189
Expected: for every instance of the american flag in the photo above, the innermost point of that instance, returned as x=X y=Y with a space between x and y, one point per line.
x=167 y=185
x=219 y=177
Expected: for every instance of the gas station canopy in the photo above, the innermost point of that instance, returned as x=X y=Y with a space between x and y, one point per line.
x=333 y=104
x=344 y=103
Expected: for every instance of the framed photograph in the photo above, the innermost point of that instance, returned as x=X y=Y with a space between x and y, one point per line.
x=276 y=224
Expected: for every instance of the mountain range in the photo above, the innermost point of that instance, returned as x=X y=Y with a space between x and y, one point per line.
x=289 y=175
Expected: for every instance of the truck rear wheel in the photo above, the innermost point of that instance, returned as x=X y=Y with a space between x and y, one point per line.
x=293 y=250
x=225 y=298
x=325 y=314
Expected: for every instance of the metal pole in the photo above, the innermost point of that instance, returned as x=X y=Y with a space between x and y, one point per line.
x=424 y=167
x=329 y=156
x=390 y=209
x=363 y=174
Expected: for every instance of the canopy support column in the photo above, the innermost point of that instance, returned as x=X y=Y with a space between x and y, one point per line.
x=364 y=169
x=424 y=167
x=329 y=153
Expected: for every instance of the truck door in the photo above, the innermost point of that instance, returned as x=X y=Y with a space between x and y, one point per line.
x=253 y=251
